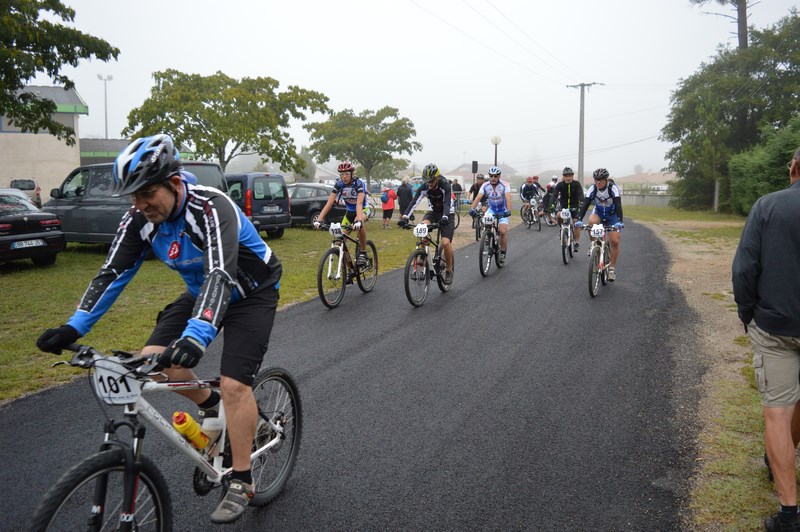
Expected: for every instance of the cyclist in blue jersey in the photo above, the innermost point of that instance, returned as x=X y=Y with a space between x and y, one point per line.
x=353 y=192
x=607 y=202
x=568 y=194
x=440 y=199
x=527 y=191
x=498 y=195
x=232 y=280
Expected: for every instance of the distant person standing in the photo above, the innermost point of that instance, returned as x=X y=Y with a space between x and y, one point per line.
x=766 y=287
x=404 y=196
x=458 y=191
x=388 y=196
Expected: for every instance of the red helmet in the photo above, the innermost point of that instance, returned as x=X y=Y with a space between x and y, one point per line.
x=347 y=166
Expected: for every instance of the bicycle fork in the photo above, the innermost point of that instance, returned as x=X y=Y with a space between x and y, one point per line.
x=335 y=272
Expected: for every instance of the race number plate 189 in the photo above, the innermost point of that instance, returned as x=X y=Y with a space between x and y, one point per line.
x=113 y=384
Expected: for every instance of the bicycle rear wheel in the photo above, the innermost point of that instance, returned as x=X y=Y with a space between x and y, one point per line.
x=368 y=274
x=485 y=252
x=457 y=220
x=97 y=483
x=594 y=272
x=476 y=224
x=278 y=406
x=331 y=284
x=444 y=287
x=416 y=278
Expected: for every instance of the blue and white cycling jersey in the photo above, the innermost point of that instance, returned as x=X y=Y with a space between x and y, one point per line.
x=349 y=193
x=496 y=195
x=208 y=241
x=604 y=204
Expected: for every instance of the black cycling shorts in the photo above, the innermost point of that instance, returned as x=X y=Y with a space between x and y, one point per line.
x=247 y=326
x=447 y=231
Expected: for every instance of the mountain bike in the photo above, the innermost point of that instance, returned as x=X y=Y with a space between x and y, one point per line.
x=529 y=214
x=565 y=231
x=119 y=488
x=490 y=244
x=337 y=268
x=599 y=257
x=420 y=268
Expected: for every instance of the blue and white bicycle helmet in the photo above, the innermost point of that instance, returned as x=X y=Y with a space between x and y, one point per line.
x=146 y=161
x=494 y=171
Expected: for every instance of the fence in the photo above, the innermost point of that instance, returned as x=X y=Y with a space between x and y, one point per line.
x=646 y=200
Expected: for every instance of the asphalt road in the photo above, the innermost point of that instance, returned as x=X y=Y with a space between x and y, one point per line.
x=514 y=401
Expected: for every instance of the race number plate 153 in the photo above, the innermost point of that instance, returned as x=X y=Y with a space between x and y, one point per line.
x=113 y=384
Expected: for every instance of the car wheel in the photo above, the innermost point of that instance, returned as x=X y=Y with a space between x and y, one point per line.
x=313 y=217
x=275 y=233
x=45 y=261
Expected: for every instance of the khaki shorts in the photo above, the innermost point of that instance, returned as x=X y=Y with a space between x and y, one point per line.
x=776 y=362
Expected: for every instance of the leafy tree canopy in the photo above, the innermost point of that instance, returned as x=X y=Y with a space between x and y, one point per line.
x=369 y=138
x=388 y=169
x=760 y=83
x=221 y=117
x=30 y=45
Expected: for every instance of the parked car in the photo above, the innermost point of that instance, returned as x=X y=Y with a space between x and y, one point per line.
x=26 y=232
x=30 y=187
x=264 y=198
x=308 y=199
x=90 y=214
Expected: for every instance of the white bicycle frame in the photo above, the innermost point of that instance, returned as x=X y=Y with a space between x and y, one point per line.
x=115 y=385
x=564 y=214
x=598 y=234
x=336 y=232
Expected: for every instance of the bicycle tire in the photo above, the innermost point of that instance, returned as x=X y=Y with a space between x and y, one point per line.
x=331 y=290
x=594 y=272
x=457 y=220
x=604 y=276
x=485 y=253
x=564 y=245
x=476 y=224
x=368 y=274
x=415 y=278
x=444 y=287
x=277 y=397
x=68 y=504
x=538 y=221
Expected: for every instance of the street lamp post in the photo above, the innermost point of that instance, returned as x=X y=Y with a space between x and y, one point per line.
x=105 y=81
x=495 y=141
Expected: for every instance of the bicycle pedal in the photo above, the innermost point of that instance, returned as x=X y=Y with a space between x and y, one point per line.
x=202 y=486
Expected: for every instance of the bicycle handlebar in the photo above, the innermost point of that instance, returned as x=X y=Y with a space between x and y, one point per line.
x=138 y=364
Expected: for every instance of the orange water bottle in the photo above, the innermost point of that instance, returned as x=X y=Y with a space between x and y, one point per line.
x=186 y=425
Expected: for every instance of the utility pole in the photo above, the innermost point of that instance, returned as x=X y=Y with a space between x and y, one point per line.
x=105 y=80
x=580 y=134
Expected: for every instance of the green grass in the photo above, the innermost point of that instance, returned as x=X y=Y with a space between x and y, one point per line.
x=35 y=299
x=669 y=214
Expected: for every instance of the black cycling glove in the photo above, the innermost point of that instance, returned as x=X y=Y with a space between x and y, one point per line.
x=185 y=352
x=54 y=340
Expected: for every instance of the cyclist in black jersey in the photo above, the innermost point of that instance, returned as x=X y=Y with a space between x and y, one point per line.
x=568 y=194
x=437 y=190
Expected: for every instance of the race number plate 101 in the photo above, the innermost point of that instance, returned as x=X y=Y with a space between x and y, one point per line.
x=114 y=384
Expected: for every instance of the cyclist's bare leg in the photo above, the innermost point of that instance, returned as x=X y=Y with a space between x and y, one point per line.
x=576 y=233
x=241 y=413
x=362 y=238
x=179 y=373
x=503 y=228
x=613 y=239
x=448 y=253
x=593 y=219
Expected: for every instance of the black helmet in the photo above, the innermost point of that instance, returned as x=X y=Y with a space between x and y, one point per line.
x=146 y=161
x=600 y=173
x=567 y=171
x=430 y=172
x=479 y=176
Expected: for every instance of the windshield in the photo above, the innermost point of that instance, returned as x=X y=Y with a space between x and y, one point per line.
x=23 y=184
x=9 y=203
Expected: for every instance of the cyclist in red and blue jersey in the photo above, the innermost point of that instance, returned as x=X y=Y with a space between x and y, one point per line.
x=607 y=201
x=353 y=192
x=442 y=206
x=498 y=195
x=568 y=194
x=232 y=280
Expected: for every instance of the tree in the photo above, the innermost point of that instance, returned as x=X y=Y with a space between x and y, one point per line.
x=704 y=119
x=221 y=117
x=30 y=45
x=369 y=138
x=389 y=169
x=741 y=16
x=638 y=169
x=309 y=169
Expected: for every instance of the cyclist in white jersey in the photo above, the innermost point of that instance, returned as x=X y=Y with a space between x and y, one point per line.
x=498 y=194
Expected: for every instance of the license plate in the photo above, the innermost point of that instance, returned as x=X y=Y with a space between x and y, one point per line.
x=28 y=244
x=270 y=208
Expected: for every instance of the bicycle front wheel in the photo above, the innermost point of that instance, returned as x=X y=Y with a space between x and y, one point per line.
x=280 y=417
x=90 y=496
x=368 y=274
x=565 y=245
x=331 y=280
x=416 y=278
x=594 y=271
x=604 y=266
x=485 y=252
x=476 y=223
